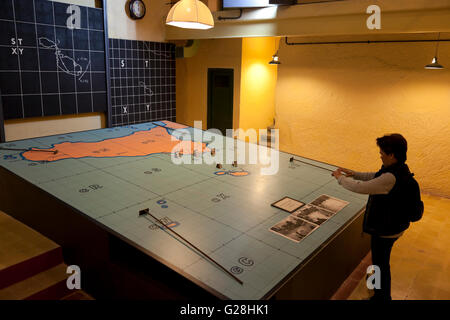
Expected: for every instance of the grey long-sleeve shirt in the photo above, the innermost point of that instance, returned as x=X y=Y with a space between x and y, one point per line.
x=365 y=183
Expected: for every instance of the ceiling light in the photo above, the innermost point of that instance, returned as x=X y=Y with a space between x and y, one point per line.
x=434 y=65
x=275 y=59
x=190 y=14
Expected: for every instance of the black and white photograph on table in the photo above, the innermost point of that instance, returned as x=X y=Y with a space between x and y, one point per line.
x=313 y=214
x=293 y=228
x=288 y=204
x=329 y=203
x=52 y=59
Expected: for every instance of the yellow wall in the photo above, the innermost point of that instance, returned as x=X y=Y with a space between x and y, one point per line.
x=258 y=80
x=333 y=101
x=192 y=79
x=47 y=126
x=150 y=28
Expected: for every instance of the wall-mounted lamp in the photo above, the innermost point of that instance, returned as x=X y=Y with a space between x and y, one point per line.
x=190 y=14
x=434 y=65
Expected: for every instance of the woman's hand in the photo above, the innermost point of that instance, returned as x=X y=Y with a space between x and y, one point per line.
x=337 y=173
x=341 y=171
x=347 y=172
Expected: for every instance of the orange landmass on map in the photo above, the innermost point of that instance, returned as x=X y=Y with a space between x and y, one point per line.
x=239 y=173
x=140 y=143
x=232 y=173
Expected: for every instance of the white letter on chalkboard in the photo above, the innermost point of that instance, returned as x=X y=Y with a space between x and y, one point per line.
x=374 y=21
x=74 y=21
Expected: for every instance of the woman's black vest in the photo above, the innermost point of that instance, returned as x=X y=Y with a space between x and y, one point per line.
x=385 y=213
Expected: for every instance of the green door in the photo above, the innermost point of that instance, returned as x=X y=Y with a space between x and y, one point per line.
x=220 y=99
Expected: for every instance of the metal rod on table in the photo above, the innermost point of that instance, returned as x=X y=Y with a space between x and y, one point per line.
x=165 y=127
x=292 y=160
x=12 y=149
x=146 y=211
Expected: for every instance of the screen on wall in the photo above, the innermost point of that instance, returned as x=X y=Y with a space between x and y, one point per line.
x=236 y=4
x=52 y=59
x=245 y=3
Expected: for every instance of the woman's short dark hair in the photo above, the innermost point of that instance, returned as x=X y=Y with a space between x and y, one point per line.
x=394 y=144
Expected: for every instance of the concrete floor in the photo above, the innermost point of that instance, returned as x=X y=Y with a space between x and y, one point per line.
x=420 y=259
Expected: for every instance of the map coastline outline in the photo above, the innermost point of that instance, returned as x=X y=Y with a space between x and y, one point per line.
x=162 y=124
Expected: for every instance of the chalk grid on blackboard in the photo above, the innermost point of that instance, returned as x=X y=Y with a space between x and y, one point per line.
x=142 y=81
x=47 y=68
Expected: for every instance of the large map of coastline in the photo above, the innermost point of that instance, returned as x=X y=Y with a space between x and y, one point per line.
x=158 y=139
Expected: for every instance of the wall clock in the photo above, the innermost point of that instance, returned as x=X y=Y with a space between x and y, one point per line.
x=137 y=9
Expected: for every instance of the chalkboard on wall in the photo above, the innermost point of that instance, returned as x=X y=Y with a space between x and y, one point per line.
x=52 y=59
x=142 y=81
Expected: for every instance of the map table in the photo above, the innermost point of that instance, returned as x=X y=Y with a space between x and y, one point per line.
x=109 y=175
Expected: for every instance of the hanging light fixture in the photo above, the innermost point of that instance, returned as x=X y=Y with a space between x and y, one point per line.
x=434 y=63
x=190 y=14
x=275 y=59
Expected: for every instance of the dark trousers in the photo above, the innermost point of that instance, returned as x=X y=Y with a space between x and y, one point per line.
x=381 y=254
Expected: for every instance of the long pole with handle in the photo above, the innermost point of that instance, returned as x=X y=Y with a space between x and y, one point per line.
x=147 y=211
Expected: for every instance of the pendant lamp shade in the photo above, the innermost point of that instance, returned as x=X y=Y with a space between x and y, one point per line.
x=434 y=65
x=275 y=59
x=190 y=14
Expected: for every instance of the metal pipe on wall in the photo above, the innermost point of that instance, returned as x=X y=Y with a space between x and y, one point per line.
x=353 y=42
